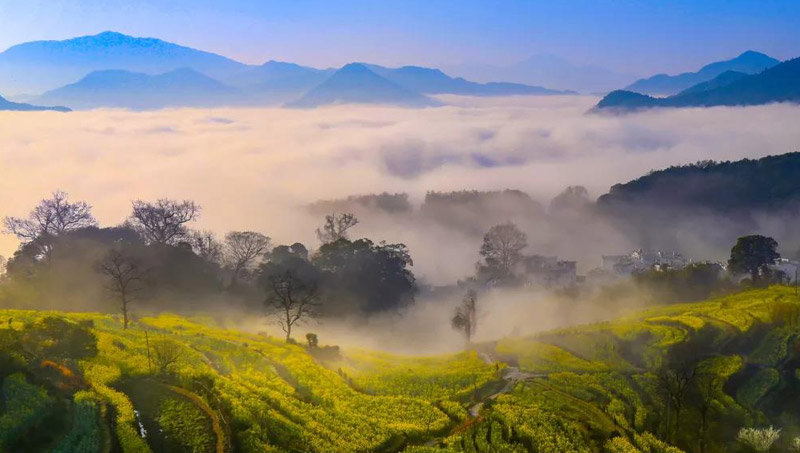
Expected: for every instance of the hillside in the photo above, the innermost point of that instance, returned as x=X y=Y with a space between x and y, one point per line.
x=749 y=62
x=744 y=185
x=715 y=201
x=79 y=382
x=6 y=105
x=125 y=89
x=780 y=83
x=355 y=83
x=719 y=81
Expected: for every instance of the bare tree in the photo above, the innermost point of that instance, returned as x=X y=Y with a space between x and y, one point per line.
x=336 y=227
x=163 y=222
x=290 y=299
x=707 y=388
x=502 y=249
x=675 y=380
x=206 y=246
x=465 y=318
x=125 y=275
x=166 y=353
x=243 y=250
x=51 y=217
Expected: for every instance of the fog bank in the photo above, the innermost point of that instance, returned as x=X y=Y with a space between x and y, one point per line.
x=251 y=169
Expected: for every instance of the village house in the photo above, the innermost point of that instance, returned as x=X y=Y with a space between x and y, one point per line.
x=549 y=271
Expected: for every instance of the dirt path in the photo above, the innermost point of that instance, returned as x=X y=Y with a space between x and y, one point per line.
x=511 y=374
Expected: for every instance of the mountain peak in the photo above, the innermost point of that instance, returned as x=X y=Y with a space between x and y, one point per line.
x=752 y=53
x=748 y=62
x=356 y=83
x=109 y=34
x=51 y=64
x=355 y=67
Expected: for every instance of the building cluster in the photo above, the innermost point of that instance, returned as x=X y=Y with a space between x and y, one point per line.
x=549 y=271
x=641 y=260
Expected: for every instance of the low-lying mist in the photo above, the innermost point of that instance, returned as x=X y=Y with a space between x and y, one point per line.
x=259 y=169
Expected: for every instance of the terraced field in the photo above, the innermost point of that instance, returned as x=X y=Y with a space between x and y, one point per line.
x=170 y=383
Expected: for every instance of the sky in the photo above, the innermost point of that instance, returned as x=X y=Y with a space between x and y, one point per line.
x=637 y=37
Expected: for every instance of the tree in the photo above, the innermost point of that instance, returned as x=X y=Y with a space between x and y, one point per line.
x=125 y=275
x=365 y=277
x=502 y=250
x=166 y=353
x=336 y=227
x=465 y=318
x=675 y=380
x=291 y=291
x=707 y=388
x=283 y=252
x=206 y=246
x=51 y=217
x=312 y=339
x=754 y=254
x=163 y=222
x=573 y=198
x=242 y=249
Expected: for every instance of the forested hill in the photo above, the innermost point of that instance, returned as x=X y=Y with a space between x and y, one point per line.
x=709 y=204
x=745 y=185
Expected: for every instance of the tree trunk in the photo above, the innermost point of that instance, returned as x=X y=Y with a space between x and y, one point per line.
x=288 y=327
x=125 y=314
x=702 y=432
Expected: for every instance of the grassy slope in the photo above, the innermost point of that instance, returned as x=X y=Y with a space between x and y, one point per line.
x=594 y=387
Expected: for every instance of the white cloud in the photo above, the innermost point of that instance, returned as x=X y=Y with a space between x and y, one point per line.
x=249 y=167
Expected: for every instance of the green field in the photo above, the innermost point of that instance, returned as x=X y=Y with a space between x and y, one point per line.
x=170 y=383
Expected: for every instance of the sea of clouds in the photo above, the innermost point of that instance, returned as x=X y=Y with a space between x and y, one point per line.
x=251 y=169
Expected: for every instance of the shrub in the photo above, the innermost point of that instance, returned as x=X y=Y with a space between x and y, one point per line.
x=758 y=439
x=58 y=338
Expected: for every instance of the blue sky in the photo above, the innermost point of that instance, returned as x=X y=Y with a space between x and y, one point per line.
x=634 y=36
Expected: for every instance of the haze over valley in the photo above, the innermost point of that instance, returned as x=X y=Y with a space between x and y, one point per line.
x=405 y=226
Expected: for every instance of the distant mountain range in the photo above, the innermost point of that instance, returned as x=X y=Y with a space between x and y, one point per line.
x=277 y=82
x=6 y=105
x=115 y=70
x=118 y=88
x=549 y=71
x=749 y=62
x=355 y=83
x=434 y=81
x=780 y=83
x=38 y=66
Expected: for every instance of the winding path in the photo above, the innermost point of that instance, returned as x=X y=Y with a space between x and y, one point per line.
x=511 y=374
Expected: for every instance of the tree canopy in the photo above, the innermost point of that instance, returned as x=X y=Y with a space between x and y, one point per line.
x=753 y=255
